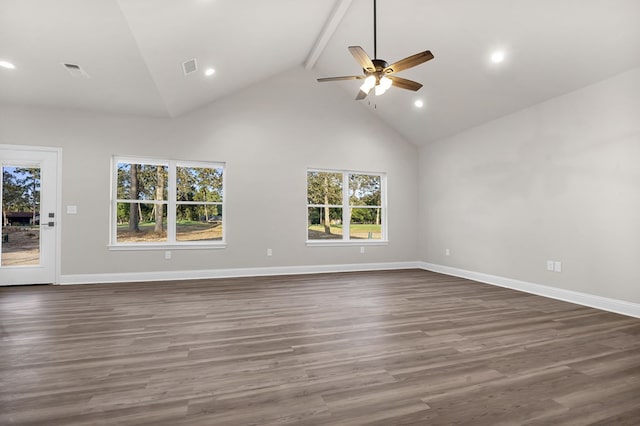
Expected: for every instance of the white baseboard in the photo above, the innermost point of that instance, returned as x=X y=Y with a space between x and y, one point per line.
x=230 y=273
x=585 y=299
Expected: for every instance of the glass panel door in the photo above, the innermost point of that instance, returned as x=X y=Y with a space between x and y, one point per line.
x=29 y=198
x=20 y=216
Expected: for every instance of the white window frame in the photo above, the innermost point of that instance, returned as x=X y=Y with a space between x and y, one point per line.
x=171 y=203
x=346 y=239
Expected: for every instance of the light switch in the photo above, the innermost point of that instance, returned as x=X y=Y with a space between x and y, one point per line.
x=72 y=209
x=557 y=266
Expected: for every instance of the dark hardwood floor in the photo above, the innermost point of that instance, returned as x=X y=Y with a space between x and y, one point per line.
x=375 y=348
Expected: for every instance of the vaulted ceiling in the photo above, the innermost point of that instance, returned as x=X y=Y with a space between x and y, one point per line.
x=133 y=51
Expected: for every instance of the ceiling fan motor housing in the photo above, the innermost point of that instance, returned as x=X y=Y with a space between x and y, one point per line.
x=379 y=64
x=381 y=69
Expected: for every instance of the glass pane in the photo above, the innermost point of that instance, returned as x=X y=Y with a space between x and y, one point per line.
x=324 y=223
x=141 y=223
x=142 y=181
x=199 y=184
x=198 y=222
x=364 y=190
x=324 y=188
x=366 y=224
x=20 y=216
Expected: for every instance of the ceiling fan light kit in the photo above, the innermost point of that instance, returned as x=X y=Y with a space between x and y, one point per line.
x=383 y=85
x=377 y=72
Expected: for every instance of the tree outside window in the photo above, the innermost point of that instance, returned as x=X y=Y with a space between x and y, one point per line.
x=334 y=213
x=167 y=202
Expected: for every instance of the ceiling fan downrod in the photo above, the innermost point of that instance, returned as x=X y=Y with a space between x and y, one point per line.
x=375 y=30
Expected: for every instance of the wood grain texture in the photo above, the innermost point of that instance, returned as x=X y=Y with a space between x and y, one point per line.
x=376 y=348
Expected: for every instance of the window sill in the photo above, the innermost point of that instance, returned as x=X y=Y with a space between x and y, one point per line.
x=144 y=247
x=339 y=243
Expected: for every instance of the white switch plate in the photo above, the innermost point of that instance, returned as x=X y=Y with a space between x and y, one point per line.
x=269 y=252
x=167 y=255
x=550 y=265
x=72 y=209
x=447 y=252
x=361 y=250
x=557 y=266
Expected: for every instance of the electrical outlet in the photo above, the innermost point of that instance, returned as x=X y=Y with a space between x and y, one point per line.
x=269 y=252
x=447 y=252
x=362 y=250
x=167 y=255
x=550 y=265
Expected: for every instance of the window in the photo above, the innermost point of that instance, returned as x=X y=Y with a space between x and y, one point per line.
x=163 y=202
x=345 y=206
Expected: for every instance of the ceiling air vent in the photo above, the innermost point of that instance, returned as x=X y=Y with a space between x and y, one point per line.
x=76 y=71
x=189 y=66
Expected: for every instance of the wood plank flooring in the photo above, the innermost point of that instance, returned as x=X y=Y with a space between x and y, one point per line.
x=375 y=348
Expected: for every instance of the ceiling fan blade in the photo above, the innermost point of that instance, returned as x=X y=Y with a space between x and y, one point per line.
x=346 y=77
x=361 y=95
x=363 y=59
x=409 y=62
x=403 y=83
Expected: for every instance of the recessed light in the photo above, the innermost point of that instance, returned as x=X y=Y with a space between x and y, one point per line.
x=419 y=103
x=209 y=72
x=6 y=64
x=497 y=56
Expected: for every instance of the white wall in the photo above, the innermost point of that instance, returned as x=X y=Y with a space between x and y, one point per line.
x=268 y=135
x=558 y=181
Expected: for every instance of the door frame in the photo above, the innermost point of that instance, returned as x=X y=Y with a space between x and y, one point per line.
x=58 y=205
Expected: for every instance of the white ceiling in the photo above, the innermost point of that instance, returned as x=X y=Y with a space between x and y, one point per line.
x=133 y=51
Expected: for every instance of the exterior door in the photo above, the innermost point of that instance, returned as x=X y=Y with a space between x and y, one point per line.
x=29 y=215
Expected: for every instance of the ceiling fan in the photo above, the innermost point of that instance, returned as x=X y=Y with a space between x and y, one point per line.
x=378 y=73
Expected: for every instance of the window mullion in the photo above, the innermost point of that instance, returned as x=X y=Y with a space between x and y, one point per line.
x=171 y=203
x=114 y=199
x=383 y=207
x=346 y=213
